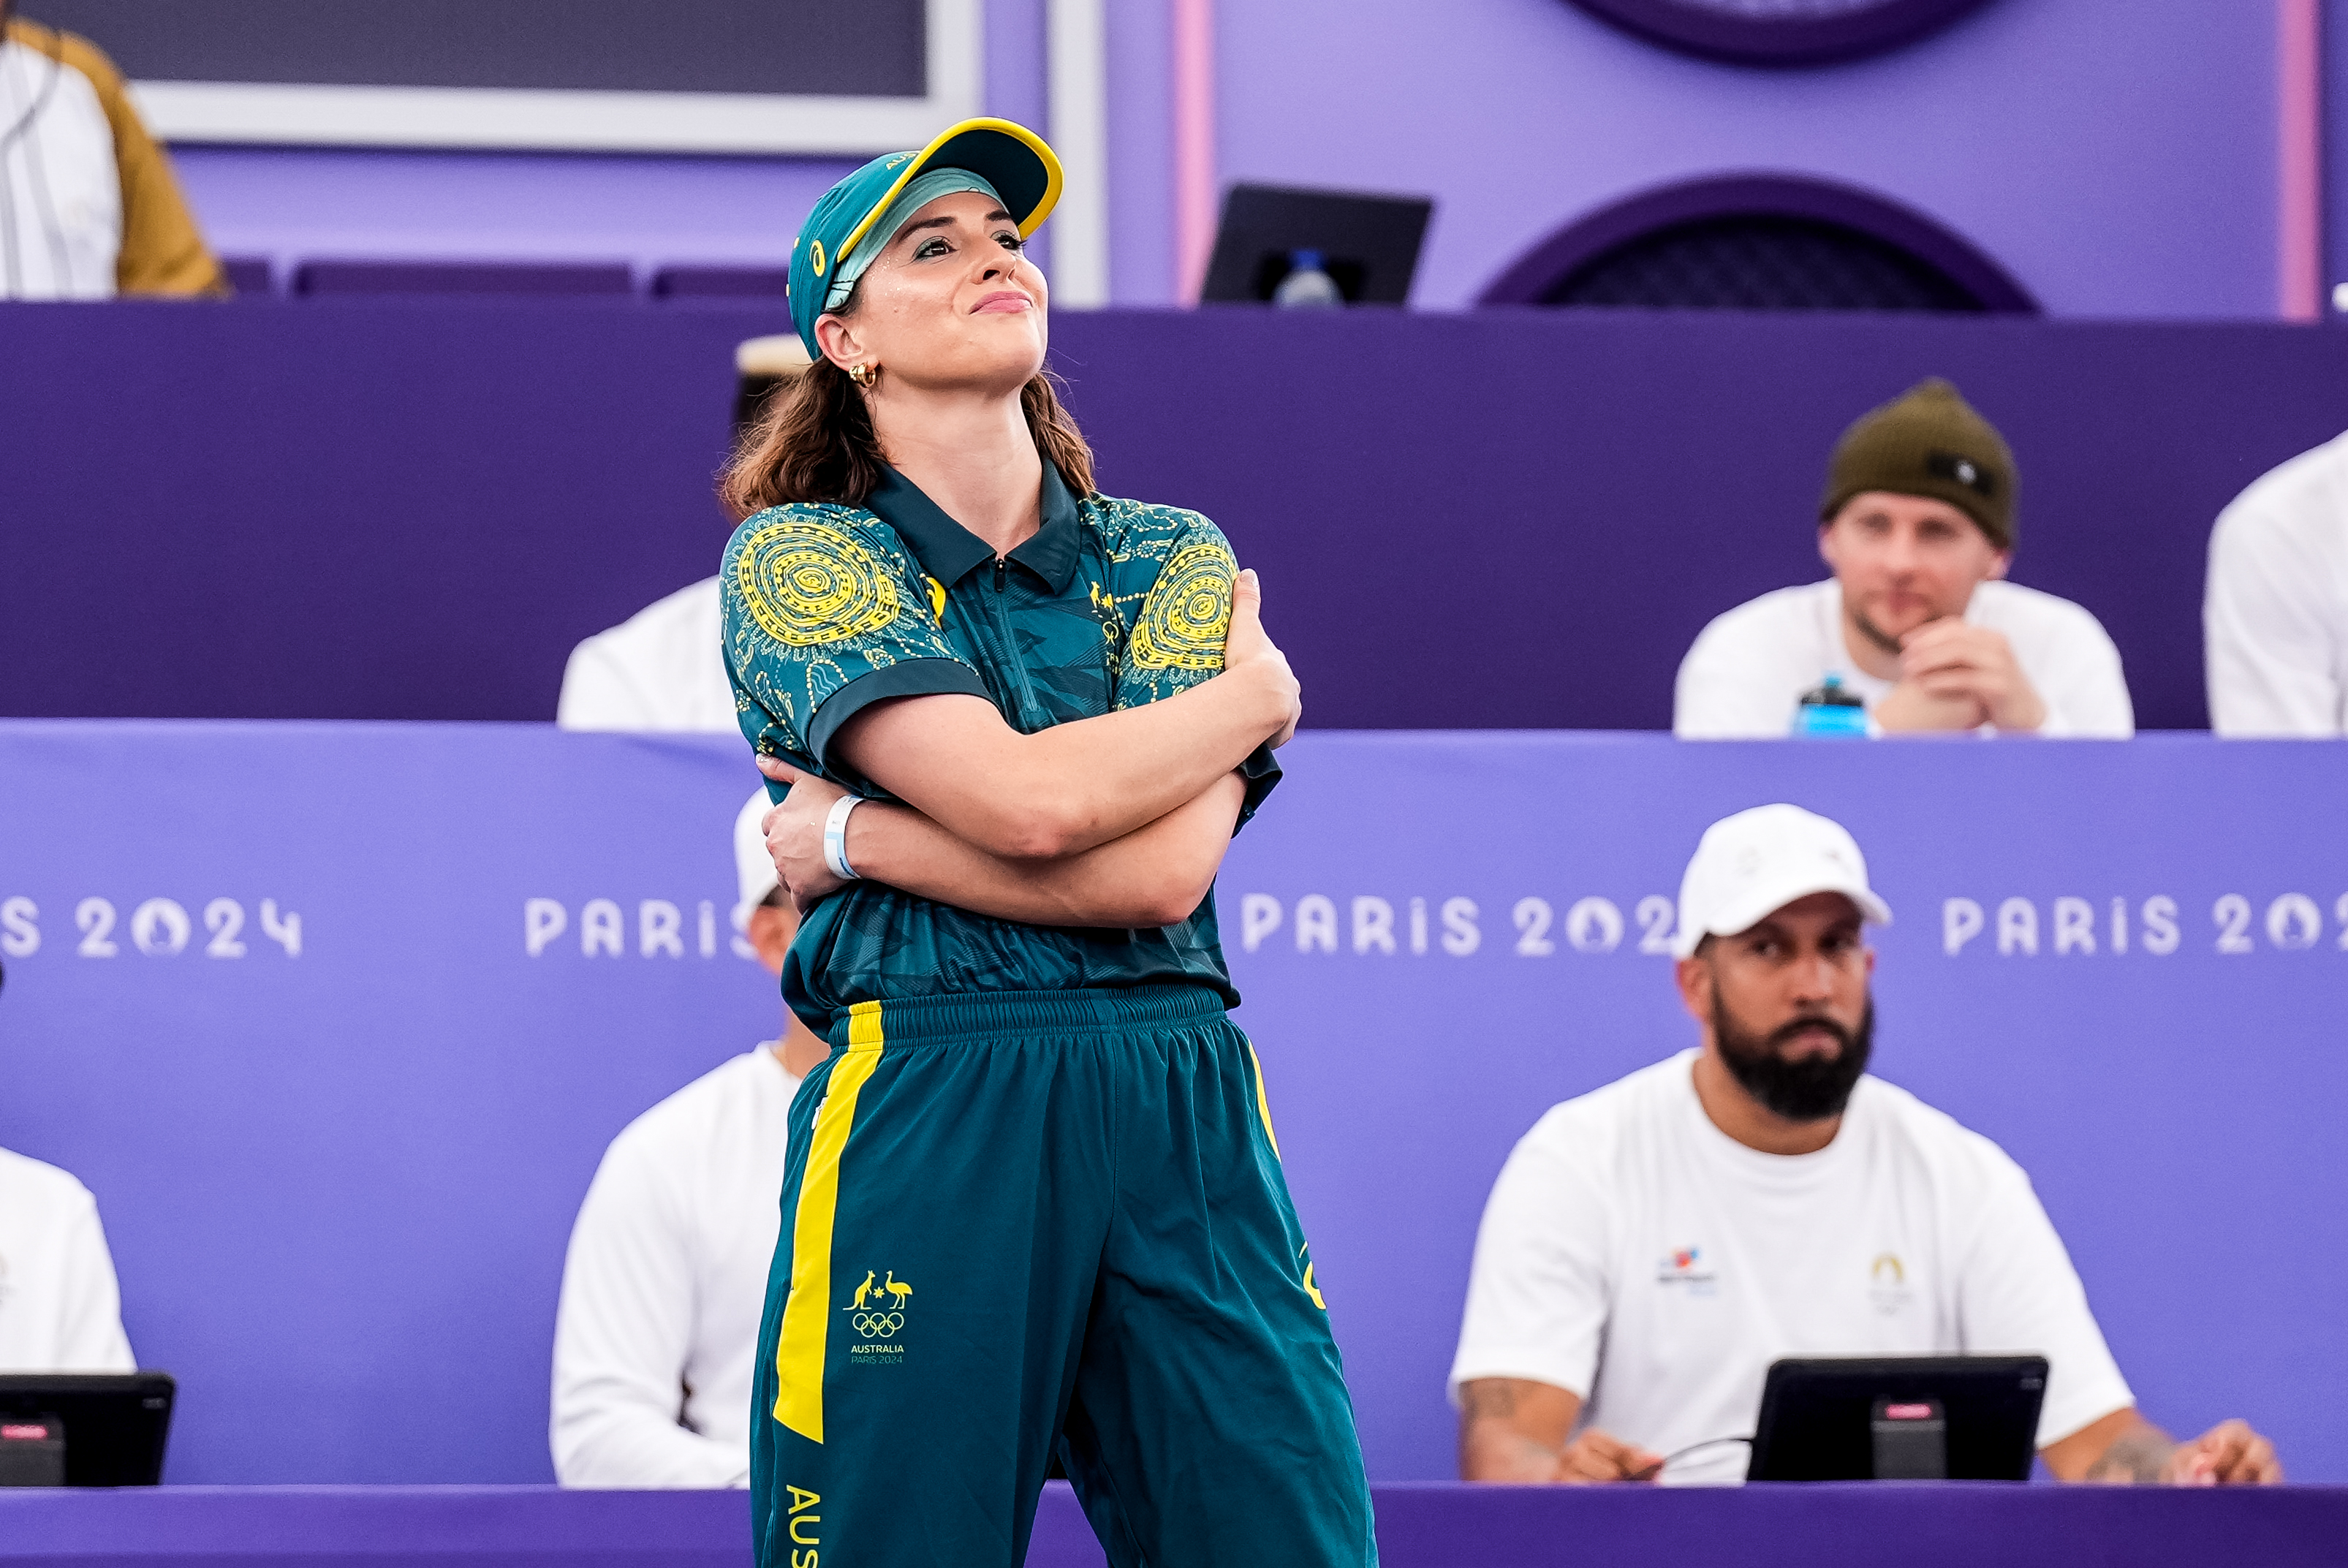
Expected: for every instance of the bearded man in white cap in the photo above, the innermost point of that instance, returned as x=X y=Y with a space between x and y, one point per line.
x=1650 y=1248
x=657 y=1331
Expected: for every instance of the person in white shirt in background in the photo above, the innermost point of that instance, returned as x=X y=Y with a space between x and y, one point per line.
x=90 y=208
x=662 y=670
x=1649 y=1249
x=1917 y=621
x=658 y=1325
x=60 y=1307
x=2274 y=615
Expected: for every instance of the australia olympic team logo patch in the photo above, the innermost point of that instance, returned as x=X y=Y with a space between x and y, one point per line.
x=807 y=584
x=1188 y=612
x=876 y=1314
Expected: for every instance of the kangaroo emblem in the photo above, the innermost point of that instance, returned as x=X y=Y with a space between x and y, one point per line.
x=898 y=1290
x=862 y=1291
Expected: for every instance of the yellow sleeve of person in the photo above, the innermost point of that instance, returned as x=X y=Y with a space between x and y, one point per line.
x=162 y=251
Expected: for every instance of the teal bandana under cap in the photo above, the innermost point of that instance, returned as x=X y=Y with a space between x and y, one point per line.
x=918 y=193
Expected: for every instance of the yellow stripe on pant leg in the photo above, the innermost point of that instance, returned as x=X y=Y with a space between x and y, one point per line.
x=1262 y=1103
x=807 y=1312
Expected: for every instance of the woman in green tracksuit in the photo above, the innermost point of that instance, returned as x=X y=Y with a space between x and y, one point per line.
x=1034 y=1202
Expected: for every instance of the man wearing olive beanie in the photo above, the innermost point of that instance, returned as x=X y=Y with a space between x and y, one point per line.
x=1918 y=625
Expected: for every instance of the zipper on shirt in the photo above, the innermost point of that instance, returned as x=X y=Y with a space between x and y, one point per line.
x=992 y=626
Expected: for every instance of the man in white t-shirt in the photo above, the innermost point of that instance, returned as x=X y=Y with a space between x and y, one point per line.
x=60 y=1309
x=658 y=1325
x=90 y=208
x=661 y=670
x=1918 y=623
x=2275 y=613
x=1650 y=1248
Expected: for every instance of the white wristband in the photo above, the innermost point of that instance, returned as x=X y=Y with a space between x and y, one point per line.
x=835 y=838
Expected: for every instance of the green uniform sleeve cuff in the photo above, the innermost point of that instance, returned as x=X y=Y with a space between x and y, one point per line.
x=1261 y=771
x=913 y=678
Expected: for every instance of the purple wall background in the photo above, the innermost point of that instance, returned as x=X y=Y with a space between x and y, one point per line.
x=338 y=1184
x=414 y=508
x=2120 y=161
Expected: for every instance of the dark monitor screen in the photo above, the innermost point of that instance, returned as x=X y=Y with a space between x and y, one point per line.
x=114 y=1424
x=1819 y=1416
x=1368 y=244
x=855 y=48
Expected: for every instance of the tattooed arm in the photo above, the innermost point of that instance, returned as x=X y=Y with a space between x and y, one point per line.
x=1514 y=1430
x=2125 y=1449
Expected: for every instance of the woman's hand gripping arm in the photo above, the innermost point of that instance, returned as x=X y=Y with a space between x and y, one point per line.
x=1076 y=786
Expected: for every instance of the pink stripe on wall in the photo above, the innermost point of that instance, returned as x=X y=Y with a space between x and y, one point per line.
x=2299 y=225
x=1194 y=144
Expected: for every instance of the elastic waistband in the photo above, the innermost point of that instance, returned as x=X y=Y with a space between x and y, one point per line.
x=980 y=1015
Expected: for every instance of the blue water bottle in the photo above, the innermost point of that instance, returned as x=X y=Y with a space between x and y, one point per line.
x=1830 y=711
x=1306 y=286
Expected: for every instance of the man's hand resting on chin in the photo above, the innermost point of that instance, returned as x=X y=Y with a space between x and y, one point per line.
x=1957 y=676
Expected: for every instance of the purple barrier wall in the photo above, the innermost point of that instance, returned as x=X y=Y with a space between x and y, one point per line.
x=2119 y=164
x=414 y=508
x=338 y=1180
x=1943 y=1526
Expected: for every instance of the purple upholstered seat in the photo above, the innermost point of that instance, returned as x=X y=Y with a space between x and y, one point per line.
x=249 y=275
x=337 y=276
x=721 y=283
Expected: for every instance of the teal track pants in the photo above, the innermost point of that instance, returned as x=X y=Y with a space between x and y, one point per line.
x=1020 y=1223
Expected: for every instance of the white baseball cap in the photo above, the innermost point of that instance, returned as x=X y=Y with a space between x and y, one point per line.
x=1749 y=866
x=751 y=863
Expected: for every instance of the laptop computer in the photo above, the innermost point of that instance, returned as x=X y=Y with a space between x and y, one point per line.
x=1866 y=1417
x=1368 y=243
x=111 y=1425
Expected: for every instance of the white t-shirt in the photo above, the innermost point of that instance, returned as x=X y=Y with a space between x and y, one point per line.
x=2275 y=613
x=61 y=191
x=1747 y=670
x=60 y=1310
x=660 y=669
x=665 y=1283
x=1634 y=1254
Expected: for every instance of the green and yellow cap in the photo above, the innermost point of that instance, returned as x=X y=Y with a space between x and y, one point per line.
x=856 y=219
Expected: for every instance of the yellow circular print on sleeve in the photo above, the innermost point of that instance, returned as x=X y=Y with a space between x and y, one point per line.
x=806 y=584
x=1187 y=612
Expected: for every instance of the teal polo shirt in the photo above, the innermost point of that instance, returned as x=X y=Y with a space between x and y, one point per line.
x=830 y=608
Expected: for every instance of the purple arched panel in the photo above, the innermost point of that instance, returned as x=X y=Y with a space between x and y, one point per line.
x=1780 y=32
x=1529 y=279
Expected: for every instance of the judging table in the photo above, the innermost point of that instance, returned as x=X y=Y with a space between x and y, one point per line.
x=1419 y=1526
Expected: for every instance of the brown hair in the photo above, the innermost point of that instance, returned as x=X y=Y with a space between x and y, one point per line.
x=815 y=442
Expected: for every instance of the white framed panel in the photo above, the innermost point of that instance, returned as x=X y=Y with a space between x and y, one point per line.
x=567 y=120
x=1078 y=35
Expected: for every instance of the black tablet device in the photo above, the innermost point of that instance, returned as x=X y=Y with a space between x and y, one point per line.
x=111 y=1425
x=1899 y=1417
x=1368 y=244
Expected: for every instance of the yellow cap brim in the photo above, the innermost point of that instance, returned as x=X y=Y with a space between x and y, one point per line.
x=935 y=156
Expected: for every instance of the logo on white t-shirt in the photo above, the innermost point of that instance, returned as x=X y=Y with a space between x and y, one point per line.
x=1686 y=1269
x=1887 y=1285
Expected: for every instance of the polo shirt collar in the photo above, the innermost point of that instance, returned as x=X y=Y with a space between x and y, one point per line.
x=949 y=551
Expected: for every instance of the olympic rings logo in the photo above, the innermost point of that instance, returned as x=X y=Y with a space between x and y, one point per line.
x=877 y=1324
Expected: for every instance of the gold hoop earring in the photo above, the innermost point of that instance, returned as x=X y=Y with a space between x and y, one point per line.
x=864 y=375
